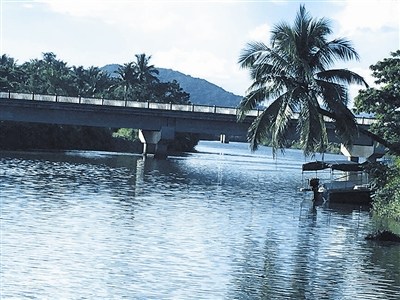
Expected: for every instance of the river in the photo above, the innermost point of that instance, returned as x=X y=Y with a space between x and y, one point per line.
x=222 y=223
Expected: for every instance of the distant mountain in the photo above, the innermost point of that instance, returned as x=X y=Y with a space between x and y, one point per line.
x=201 y=91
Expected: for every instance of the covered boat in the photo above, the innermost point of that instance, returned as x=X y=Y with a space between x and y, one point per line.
x=346 y=182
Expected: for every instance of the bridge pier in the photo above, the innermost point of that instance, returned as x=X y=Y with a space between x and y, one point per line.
x=156 y=142
x=370 y=152
x=223 y=138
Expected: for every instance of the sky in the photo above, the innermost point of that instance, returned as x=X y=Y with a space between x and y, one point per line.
x=201 y=38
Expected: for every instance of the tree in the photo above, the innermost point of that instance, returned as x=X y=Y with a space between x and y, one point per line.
x=144 y=72
x=10 y=74
x=47 y=76
x=170 y=92
x=145 y=78
x=293 y=75
x=384 y=102
x=90 y=82
x=126 y=79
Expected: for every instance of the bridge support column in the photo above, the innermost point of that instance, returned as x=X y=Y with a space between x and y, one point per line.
x=370 y=152
x=224 y=139
x=156 y=142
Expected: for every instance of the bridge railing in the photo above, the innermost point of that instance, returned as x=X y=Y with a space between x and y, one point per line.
x=123 y=103
x=148 y=105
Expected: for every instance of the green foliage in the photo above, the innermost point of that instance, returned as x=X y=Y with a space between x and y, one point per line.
x=386 y=181
x=10 y=73
x=384 y=102
x=293 y=75
x=129 y=134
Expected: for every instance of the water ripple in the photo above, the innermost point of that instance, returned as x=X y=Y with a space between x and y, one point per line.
x=199 y=227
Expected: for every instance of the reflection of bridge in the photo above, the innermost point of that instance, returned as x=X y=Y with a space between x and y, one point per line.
x=158 y=122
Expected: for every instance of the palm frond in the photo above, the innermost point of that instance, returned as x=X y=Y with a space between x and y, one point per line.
x=250 y=102
x=260 y=128
x=341 y=76
x=312 y=129
x=250 y=54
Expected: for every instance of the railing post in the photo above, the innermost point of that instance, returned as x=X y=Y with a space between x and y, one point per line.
x=170 y=106
x=192 y=107
x=33 y=96
x=102 y=101
x=9 y=94
x=79 y=97
x=148 y=104
x=215 y=109
x=56 y=98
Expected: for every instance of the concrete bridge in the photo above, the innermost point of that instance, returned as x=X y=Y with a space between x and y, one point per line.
x=157 y=122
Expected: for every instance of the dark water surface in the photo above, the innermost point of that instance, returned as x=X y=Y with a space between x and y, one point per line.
x=219 y=224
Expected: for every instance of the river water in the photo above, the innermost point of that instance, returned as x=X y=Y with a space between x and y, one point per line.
x=222 y=223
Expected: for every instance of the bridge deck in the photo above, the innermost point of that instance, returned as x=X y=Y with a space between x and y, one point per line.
x=146 y=105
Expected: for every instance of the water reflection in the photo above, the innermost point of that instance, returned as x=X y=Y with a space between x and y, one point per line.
x=218 y=225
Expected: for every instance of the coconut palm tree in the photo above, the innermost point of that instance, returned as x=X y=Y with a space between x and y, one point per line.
x=144 y=72
x=293 y=77
x=126 y=79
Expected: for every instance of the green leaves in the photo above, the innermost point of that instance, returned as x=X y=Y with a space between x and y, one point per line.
x=293 y=75
x=384 y=102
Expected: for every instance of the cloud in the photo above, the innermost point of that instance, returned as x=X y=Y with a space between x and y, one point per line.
x=368 y=15
x=260 y=33
x=146 y=16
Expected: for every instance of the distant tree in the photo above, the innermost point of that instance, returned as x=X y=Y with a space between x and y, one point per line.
x=144 y=72
x=47 y=76
x=10 y=74
x=145 y=77
x=91 y=82
x=125 y=80
x=294 y=75
x=384 y=102
x=170 y=92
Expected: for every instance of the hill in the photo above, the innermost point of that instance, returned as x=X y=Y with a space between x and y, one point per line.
x=201 y=91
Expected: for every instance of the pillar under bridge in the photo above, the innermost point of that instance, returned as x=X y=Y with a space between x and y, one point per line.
x=370 y=152
x=155 y=142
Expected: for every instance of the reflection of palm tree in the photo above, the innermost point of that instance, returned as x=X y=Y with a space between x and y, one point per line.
x=294 y=74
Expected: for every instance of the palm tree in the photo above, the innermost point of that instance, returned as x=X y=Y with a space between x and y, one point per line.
x=126 y=79
x=144 y=72
x=293 y=76
x=146 y=78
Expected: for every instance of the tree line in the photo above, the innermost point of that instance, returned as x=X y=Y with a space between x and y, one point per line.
x=134 y=81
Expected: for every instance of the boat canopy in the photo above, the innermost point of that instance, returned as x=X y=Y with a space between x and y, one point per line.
x=345 y=165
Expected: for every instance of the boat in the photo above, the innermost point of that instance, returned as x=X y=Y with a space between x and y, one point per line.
x=338 y=182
